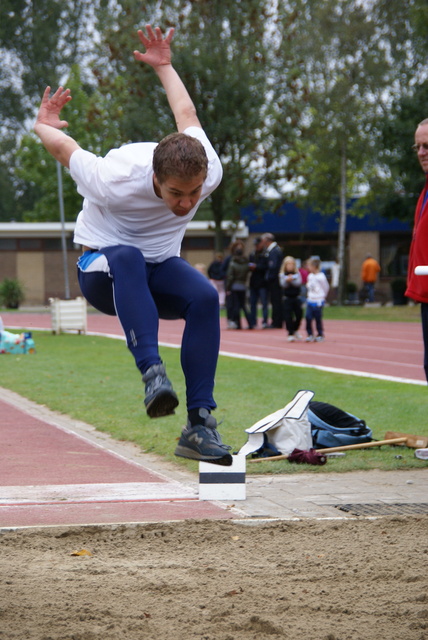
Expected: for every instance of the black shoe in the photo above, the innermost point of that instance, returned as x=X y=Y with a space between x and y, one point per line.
x=161 y=398
x=203 y=442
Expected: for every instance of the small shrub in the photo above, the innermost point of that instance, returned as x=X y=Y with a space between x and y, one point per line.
x=351 y=287
x=11 y=293
x=398 y=288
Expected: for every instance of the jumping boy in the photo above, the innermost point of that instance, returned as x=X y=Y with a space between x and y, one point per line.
x=138 y=200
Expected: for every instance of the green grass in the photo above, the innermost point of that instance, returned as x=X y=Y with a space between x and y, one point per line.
x=405 y=313
x=94 y=379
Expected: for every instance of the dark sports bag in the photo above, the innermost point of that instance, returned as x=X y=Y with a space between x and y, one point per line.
x=333 y=427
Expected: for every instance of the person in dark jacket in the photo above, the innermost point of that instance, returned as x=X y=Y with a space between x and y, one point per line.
x=274 y=261
x=216 y=276
x=258 y=284
x=290 y=280
x=236 y=286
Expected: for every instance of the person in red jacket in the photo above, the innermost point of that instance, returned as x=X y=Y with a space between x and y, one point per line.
x=417 y=286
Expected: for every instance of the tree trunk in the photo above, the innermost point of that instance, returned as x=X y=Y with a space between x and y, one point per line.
x=342 y=227
x=218 y=215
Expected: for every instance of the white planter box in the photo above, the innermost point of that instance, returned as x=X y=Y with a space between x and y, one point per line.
x=67 y=315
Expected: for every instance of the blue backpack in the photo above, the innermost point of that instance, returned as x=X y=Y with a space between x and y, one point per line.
x=333 y=427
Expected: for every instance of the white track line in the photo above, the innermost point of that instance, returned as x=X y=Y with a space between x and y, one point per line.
x=102 y=492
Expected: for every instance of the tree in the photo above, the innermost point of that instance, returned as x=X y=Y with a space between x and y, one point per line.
x=39 y=40
x=398 y=193
x=220 y=52
x=93 y=124
x=351 y=58
x=399 y=190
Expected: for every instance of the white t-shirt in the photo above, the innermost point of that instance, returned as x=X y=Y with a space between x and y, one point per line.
x=317 y=288
x=120 y=205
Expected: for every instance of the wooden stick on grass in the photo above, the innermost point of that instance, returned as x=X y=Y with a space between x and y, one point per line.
x=347 y=447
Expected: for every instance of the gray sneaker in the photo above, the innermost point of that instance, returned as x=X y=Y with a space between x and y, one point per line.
x=161 y=398
x=203 y=442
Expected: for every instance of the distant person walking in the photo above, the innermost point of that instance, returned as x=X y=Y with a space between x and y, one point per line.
x=317 y=291
x=369 y=273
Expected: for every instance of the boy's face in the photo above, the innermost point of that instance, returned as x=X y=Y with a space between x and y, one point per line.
x=179 y=195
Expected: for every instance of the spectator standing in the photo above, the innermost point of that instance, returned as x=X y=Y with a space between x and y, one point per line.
x=417 y=286
x=228 y=301
x=290 y=281
x=216 y=276
x=317 y=291
x=369 y=273
x=236 y=286
x=257 y=284
x=274 y=261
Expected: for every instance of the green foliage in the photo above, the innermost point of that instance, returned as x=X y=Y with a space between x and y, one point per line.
x=93 y=124
x=398 y=288
x=346 y=78
x=398 y=196
x=225 y=71
x=39 y=41
x=408 y=313
x=285 y=95
x=11 y=293
x=349 y=69
x=46 y=37
x=351 y=287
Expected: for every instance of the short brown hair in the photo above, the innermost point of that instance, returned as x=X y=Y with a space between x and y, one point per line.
x=181 y=156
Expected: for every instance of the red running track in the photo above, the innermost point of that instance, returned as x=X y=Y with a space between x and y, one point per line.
x=52 y=476
x=377 y=349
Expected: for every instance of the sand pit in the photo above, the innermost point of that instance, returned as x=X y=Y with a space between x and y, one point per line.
x=210 y=580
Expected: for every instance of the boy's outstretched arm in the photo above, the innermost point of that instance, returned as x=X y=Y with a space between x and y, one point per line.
x=158 y=56
x=48 y=126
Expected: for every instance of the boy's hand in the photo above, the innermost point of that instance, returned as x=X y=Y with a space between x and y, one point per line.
x=50 y=108
x=158 y=51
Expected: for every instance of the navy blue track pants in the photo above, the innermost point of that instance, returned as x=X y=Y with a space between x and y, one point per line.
x=118 y=281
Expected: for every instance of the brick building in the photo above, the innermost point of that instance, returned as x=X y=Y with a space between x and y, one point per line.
x=33 y=253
